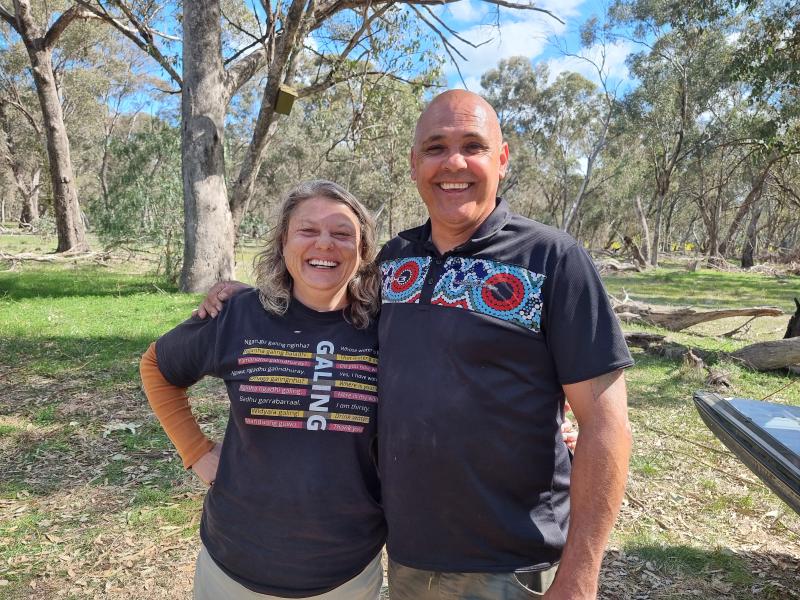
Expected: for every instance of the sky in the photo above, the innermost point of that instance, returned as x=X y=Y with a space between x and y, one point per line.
x=532 y=34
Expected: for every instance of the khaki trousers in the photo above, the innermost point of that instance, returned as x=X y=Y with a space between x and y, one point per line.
x=212 y=583
x=406 y=583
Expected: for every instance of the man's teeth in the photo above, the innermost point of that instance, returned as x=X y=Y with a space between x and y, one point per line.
x=328 y=264
x=454 y=186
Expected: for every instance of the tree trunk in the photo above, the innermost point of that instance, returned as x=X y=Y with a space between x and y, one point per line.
x=753 y=195
x=657 y=228
x=208 y=254
x=69 y=224
x=750 y=243
x=643 y=222
x=245 y=184
x=30 y=200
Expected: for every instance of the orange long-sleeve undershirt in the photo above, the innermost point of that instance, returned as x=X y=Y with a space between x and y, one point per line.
x=170 y=403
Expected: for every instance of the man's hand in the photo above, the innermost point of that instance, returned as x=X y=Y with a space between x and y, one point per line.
x=216 y=297
x=206 y=466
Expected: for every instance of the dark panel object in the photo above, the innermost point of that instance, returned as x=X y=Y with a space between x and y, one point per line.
x=765 y=436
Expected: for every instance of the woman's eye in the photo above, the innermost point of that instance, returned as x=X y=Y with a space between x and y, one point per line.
x=342 y=234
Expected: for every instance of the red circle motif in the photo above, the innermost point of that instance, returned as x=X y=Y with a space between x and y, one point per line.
x=517 y=292
x=404 y=276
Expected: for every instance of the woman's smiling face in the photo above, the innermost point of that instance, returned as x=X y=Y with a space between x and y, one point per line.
x=321 y=250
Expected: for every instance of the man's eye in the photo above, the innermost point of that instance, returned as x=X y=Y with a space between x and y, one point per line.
x=475 y=147
x=433 y=149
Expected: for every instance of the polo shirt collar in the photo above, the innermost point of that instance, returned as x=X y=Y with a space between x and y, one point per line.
x=496 y=220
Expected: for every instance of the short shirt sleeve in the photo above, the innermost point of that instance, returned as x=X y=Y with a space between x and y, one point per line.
x=188 y=353
x=583 y=334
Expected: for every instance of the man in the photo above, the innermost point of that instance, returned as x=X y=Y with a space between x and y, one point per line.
x=489 y=321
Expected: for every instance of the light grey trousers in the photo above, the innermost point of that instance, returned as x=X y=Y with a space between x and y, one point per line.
x=406 y=583
x=212 y=583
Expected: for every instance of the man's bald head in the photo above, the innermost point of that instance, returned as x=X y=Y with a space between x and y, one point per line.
x=457 y=162
x=463 y=106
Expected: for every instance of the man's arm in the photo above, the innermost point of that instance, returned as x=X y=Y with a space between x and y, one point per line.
x=217 y=296
x=599 y=474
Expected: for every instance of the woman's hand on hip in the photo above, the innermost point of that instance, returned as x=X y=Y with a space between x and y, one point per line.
x=206 y=466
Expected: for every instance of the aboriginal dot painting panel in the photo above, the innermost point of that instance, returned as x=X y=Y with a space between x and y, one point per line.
x=403 y=279
x=492 y=288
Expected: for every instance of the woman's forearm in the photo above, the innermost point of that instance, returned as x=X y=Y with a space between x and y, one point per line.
x=171 y=405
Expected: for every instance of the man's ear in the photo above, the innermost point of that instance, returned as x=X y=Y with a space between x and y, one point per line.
x=503 y=159
x=411 y=159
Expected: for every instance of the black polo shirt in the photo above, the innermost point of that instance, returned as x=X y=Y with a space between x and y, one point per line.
x=295 y=509
x=475 y=346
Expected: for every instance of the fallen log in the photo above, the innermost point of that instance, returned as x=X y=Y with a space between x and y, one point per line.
x=641 y=339
x=613 y=265
x=768 y=356
x=676 y=319
x=762 y=356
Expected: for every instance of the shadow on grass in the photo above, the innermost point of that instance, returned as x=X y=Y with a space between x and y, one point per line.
x=685 y=571
x=659 y=382
x=93 y=361
x=61 y=282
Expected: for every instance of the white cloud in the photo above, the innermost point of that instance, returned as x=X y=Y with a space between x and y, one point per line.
x=466 y=11
x=520 y=33
x=614 y=65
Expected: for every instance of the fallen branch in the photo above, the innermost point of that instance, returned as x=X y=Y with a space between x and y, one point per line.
x=676 y=319
x=613 y=265
x=55 y=258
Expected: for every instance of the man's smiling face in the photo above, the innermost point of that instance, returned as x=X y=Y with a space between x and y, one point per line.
x=458 y=160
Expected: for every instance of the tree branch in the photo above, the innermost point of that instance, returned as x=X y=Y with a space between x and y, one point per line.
x=28 y=116
x=64 y=21
x=139 y=33
x=8 y=17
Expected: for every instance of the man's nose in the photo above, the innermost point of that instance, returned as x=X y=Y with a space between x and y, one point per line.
x=455 y=161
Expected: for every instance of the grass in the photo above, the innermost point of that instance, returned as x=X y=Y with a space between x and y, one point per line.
x=95 y=503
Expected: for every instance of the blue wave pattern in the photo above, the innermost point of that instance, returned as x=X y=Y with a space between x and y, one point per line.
x=508 y=292
x=402 y=279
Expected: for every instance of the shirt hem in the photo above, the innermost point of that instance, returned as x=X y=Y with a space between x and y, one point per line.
x=621 y=364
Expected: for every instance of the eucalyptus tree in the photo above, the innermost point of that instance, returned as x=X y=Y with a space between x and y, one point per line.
x=348 y=39
x=20 y=135
x=678 y=69
x=557 y=129
x=40 y=26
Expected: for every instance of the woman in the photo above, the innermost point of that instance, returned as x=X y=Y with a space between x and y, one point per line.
x=294 y=509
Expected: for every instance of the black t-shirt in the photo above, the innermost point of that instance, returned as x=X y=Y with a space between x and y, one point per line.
x=475 y=346
x=295 y=509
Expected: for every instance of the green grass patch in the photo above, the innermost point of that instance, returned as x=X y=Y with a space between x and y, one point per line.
x=171 y=516
x=706 y=288
x=84 y=323
x=687 y=560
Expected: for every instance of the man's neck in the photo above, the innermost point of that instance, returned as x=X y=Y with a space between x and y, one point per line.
x=446 y=239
